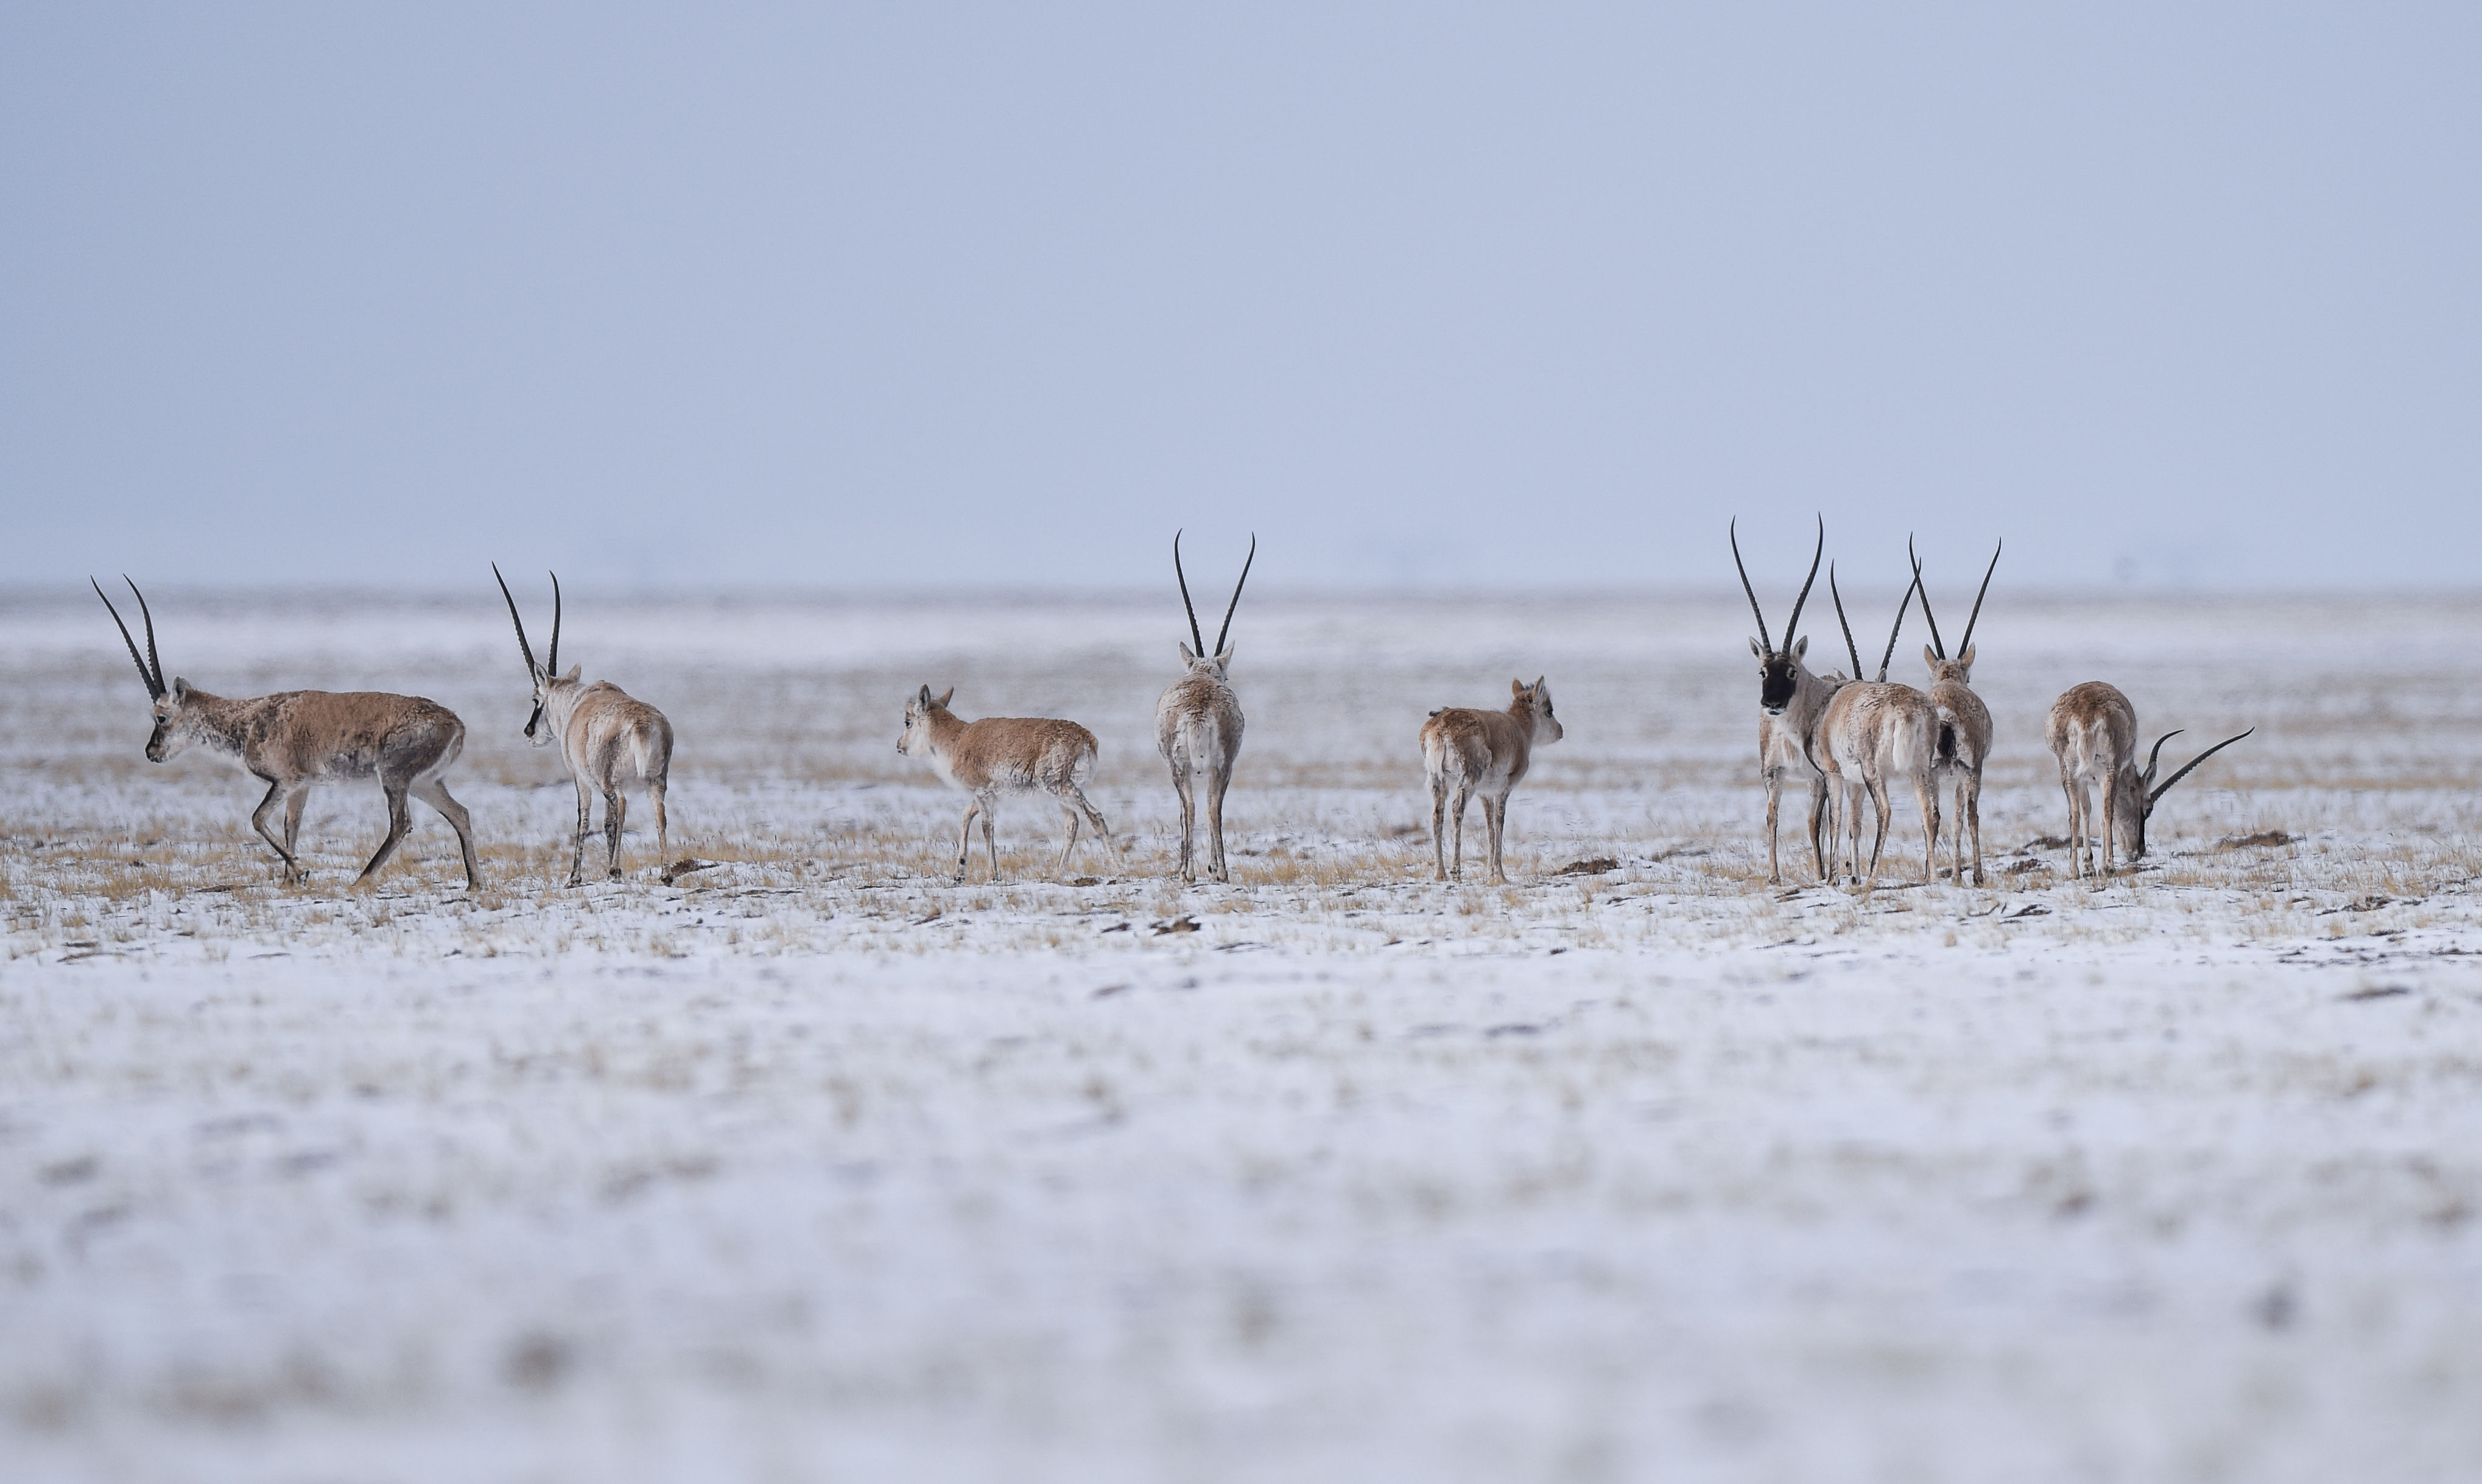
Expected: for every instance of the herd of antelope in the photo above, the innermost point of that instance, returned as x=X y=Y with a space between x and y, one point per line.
x=1847 y=739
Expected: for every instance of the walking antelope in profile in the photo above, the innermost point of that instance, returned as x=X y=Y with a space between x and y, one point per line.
x=607 y=738
x=1790 y=702
x=1872 y=734
x=1963 y=720
x=1000 y=756
x=1467 y=753
x=2093 y=731
x=1197 y=726
x=294 y=740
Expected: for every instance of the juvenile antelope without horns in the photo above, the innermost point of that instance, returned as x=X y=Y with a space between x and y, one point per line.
x=1790 y=702
x=1963 y=722
x=1197 y=726
x=294 y=740
x=1873 y=732
x=1002 y=755
x=2093 y=732
x=608 y=740
x=1467 y=752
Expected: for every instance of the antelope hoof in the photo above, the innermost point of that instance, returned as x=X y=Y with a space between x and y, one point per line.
x=616 y=874
x=575 y=879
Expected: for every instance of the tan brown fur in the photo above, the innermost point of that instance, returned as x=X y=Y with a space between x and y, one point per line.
x=1467 y=753
x=1198 y=729
x=1002 y=755
x=1962 y=745
x=1872 y=734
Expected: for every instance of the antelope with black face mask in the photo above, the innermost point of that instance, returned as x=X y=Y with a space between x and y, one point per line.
x=609 y=740
x=294 y=740
x=1790 y=702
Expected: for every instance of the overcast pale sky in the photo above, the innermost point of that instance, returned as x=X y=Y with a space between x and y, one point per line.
x=1435 y=294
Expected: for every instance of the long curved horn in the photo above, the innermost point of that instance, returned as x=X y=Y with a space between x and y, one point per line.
x=551 y=661
x=1890 y=657
x=1732 y=531
x=154 y=688
x=2145 y=780
x=1966 y=641
x=1937 y=648
x=153 y=663
x=1792 y=626
x=2193 y=763
x=1236 y=592
x=1849 y=646
x=533 y=670
x=1195 y=637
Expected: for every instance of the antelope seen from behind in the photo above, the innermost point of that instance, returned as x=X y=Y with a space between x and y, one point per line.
x=294 y=740
x=1963 y=722
x=1790 y=702
x=1467 y=753
x=2093 y=731
x=1872 y=734
x=1197 y=726
x=1003 y=756
x=608 y=740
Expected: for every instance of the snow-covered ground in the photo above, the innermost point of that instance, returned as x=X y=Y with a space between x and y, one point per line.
x=815 y=1166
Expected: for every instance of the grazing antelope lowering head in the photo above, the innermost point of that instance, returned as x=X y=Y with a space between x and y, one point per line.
x=1790 y=702
x=607 y=738
x=1875 y=732
x=1963 y=722
x=1198 y=725
x=295 y=739
x=999 y=756
x=1467 y=753
x=2093 y=731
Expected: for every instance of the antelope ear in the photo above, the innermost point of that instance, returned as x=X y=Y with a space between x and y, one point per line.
x=1930 y=656
x=1538 y=685
x=1186 y=657
x=180 y=689
x=924 y=698
x=942 y=702
x=1223 y=661
x=1757 y=649
x=572 y=672
x=1517 y=689
x=1801 y=647
x=1967 y=658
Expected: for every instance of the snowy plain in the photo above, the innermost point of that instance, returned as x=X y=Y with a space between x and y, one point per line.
x=814 y=1165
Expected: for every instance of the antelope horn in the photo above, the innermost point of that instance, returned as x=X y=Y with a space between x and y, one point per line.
x=1937 y=648
x=1966 y=641
x=1236 y=592
x=533 y=670
x=153 y=663
x=551 y=661
x=1792 y=625
x=2154 y=757
x=154 y=688
x=1908 y=602
x=1733 y=533
x=2193 y=763
x=1195 y=637
x=1849 y=646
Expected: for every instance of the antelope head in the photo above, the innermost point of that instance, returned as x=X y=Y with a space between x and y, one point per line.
x=1959 y=668
x=1533 y=702
x=545 y=676
x=174 y=711
x=1218 y=661
x=2139 y=793
x=1779 y=669
x=915 y=739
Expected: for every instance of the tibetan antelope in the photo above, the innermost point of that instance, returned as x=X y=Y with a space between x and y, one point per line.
x=1467 y=752
x=1872 y=734
x=1963 y=722
x=294 y=740
x=607 y=738
x=2093 y=731
x=1197 y=726
x=1790 y=702
x=1004 y=755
